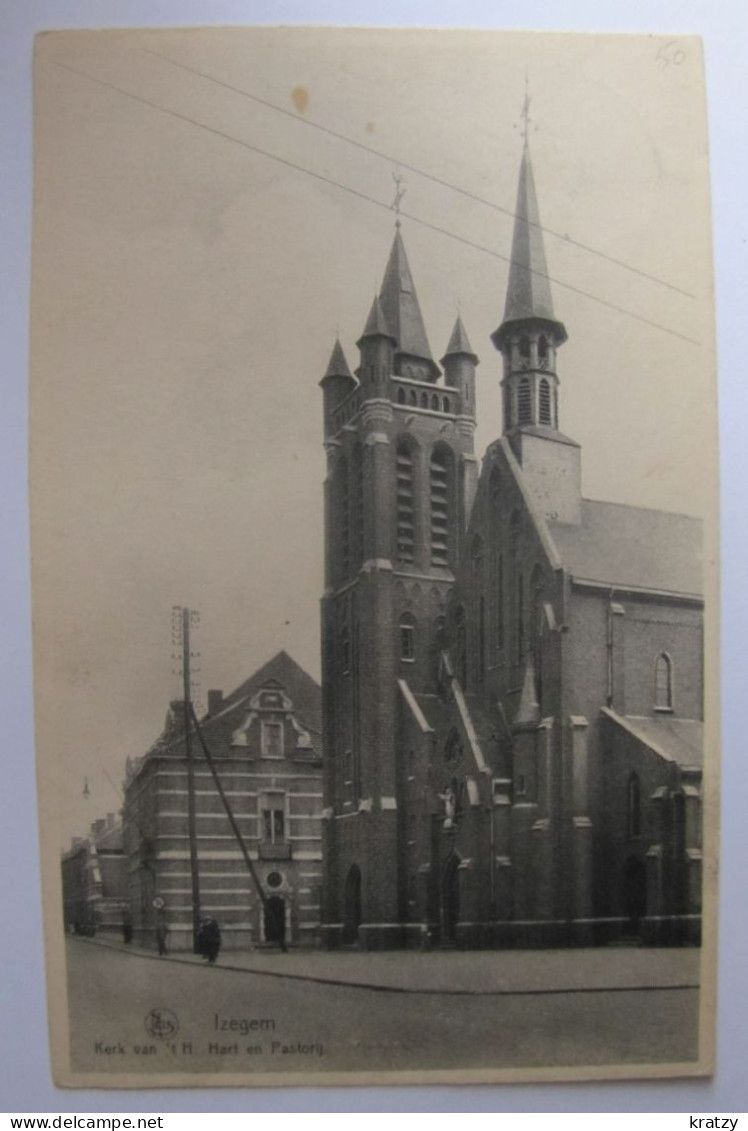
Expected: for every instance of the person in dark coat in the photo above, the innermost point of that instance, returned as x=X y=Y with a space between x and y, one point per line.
x=210 y=940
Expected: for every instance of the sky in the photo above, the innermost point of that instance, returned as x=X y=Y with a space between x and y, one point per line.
x=187 y=290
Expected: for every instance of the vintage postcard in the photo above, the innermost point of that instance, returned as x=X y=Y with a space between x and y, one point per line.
x=374 y=473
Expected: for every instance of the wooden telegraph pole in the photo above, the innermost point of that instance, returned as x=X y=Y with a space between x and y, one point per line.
x=191 y=811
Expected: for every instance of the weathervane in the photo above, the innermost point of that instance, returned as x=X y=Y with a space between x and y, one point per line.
x=399 y=194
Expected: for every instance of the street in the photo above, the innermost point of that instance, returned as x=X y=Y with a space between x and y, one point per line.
x=132 y=1012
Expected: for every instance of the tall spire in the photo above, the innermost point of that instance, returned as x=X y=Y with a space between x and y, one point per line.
x=529 y=291
x=402 y=312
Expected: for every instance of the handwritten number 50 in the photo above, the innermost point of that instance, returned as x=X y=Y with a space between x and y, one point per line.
x=670 y=55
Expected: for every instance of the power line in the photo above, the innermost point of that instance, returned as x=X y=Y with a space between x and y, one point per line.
x=372 y=200
x=420 y=172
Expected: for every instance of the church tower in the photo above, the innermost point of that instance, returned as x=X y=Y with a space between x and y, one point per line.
x=528 y=339
x=400 y=483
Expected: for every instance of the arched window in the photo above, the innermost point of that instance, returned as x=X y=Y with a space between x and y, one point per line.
x=412 y=399
x=461 y=642
x=542 y=348
x=424 y=400
x=634 y=806
x=544 y=401
x=407 y=637
x=479 y=644
x=525 y=402
x=405 y=501
x=345 y=652
x=435 y=402
x=357 y=526
x=401 y=396
x=343 y=520
x=445 y=404
x=508 y=422
x=663 y=683
x=524 y=347
x=440 y=484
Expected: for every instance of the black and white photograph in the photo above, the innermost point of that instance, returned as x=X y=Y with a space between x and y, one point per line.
x=374 y=556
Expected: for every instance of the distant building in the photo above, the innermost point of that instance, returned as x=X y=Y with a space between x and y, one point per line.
x=94 y=886
x=266 y=740
x=512 y=673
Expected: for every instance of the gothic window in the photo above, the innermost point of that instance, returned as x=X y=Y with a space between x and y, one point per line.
x=357 y=529
x=480 y=605
x=405 y=502
x=634 y=810
x=525 y=402
x=424 y=400
x=412 y=399
x=435 y=402
x=453 y=748
x=524 y=347
x=500 y=600
x=542 y=348
x=407 y=637
x=344 y=530
x=461 y=640
x=507 y=408
x=663 y=683
x=545 y=401
x=401 y=396
x=345 y=652
x=445 y=404
x=272 y=738
x=441 y=486
x=520 y=618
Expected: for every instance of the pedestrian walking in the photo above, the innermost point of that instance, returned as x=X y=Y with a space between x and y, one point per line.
x=210 y=940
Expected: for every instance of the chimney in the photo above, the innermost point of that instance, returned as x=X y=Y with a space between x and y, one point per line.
x=215 y=702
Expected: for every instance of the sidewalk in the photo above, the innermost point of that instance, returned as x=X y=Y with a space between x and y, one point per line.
x=482 y=972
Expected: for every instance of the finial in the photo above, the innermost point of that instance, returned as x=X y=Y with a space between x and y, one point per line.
x=399 y=194
x=524 y=127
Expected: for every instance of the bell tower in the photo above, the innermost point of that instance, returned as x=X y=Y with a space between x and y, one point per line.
x=401 y=477
x=528 y=339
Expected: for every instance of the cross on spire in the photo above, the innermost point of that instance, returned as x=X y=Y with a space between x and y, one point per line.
x=399 y=194
x=526 y=120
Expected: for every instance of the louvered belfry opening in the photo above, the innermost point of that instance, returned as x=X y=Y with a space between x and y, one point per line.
x=440 y=488
x=405 y=503
x=545 y=401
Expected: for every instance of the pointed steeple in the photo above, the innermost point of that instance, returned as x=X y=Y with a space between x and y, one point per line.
x=528 y=712
x=529 y=291
x=459 y=343
x=401 y=309
x=338 y=366
x=376 y=324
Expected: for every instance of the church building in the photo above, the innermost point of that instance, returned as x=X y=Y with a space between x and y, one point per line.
x=512 y=674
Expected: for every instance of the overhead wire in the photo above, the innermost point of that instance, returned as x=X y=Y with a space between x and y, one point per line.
x=371 y=200
x=565 y=237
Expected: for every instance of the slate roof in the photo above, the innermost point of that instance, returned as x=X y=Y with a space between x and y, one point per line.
x=459 y=343
x=399 y=301
x=675 y=740
x=529 y=290
x=338 y=365
x=632 y=547
x=303 y=691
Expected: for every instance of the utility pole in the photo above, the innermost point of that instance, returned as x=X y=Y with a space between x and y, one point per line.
x=191 y=814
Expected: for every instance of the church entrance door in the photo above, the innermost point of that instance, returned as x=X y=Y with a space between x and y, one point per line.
x=275 y=920
x=450 y=900
x=634 y=893
x=352 y=905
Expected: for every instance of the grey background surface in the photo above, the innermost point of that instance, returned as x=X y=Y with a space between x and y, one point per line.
x=25 y=1083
